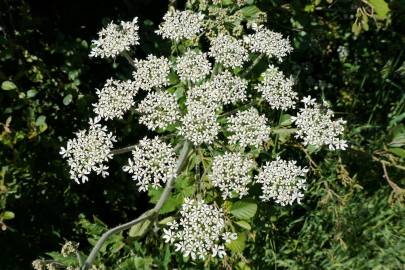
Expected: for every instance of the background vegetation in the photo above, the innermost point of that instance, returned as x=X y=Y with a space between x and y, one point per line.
x=349 y=52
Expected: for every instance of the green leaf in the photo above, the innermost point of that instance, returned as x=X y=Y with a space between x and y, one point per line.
x=67 y=99
x=250 y=11
x=244 y=209
x=243 y=224
x=166 y=220
x=237 y=245
x=8 y=85
x=285 y=120
x=398 y=151
x=40 y=122
x=381 y=9
x=31 y=93
x=7 y=215
x=139 y=229
x=171 y=204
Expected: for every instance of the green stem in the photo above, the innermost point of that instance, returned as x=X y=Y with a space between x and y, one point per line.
x=250 y=68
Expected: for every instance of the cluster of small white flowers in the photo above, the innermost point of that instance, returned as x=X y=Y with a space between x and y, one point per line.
x=159 y=109
x=316 y=127
x=152 y=72
x=88 y=151
x=203 y=94
x=282 y=181
x=115 y=98
x=230 y=173
x=178 y=25
x=199 y=125
x=193 y=66
x=248 y=128
x=115 y=39
x=228 y=51
x=38 y=264
x=277 y=89
x=230 y=89
x=153 y=161
x=69 y=248
x=200 y=232
x=270 y=43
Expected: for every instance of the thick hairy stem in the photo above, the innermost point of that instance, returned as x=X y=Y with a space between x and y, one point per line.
x=147 y=215
x=249 y=69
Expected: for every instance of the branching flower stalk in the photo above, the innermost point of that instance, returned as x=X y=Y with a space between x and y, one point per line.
x=147 y=215
x=213 y=102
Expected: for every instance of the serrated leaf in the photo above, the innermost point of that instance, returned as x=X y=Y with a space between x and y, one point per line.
x=8 y=86
x=243 y=224
x=244 y=209
x=237 y=245
x=139 y=229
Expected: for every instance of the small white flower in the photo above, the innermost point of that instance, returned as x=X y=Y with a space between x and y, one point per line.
x=193 y=66
x=115 y=38
x=229 y=88
x=282 y=181
x=153 y=162
x=69 y=248
x=230 y=173
x=178 y=25
x=199 y=125
x=270 y=43
x=115 y=98
x=88 y=151
x=158 y=109
x=248 y=128
x=228 y=51
x=277 y=90
x=316 y=127
x=203 y=94
x=152 y=72
x=200 y=232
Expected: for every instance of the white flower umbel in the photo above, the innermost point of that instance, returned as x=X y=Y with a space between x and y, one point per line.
x=282 y=181
x=193 y=66
x=267 y=42
x=230 y=89
x=116 y=98
x=228 y=51
x=115 y=38
x=230 y=173
x=248 y=128
x=200 y=232
x=178 y=25
x=153 y=162
x=158 y=110
x=152 y=72
x=276 y=89
x=316 y=127
x=199 y=125
x=88 y=151
x=203 y=94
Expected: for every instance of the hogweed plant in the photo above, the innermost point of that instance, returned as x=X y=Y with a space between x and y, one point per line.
x=214 y=121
